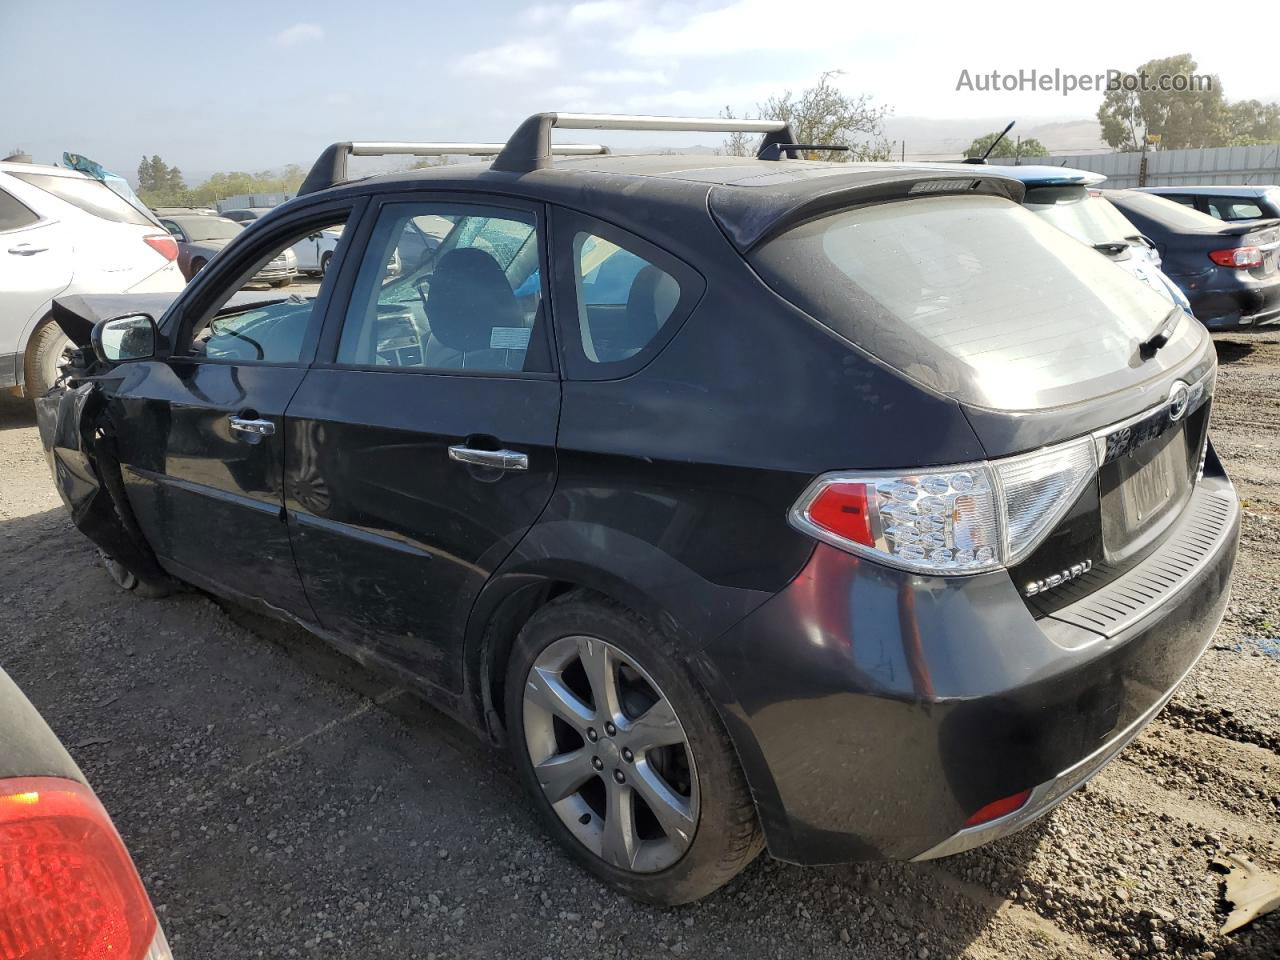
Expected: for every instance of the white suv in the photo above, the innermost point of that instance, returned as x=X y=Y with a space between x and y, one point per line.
x=61 y=233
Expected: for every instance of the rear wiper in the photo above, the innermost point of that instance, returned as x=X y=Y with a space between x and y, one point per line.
x=1112 y=248
x=1148 y=347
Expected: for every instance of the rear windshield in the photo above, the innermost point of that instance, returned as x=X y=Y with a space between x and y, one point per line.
x=1170 y=213
x=91 y=196
x=1090 y=219
x=210 y=228
x=972 y=296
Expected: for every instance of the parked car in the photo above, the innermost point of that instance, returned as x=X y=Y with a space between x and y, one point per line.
x=184 y=211
x=315 y=251
x=200 y=238
x=1227 y=270
x=63 y=233
x=1230 y=203
x=1069 y=200
x=70 y=889
x=246 y=215
x=654 y=519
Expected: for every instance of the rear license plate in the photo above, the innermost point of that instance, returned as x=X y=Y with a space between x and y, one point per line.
x=1152 y=486
x=1142 y=490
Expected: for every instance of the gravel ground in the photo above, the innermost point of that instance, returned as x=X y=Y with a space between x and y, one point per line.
x=282 y=802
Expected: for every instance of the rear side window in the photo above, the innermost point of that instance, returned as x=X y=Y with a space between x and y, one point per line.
x=972 y=296
x=623 y=300
x=13 y=214
x=91 y=196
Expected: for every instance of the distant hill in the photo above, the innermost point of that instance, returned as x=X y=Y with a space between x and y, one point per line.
x=928 y=138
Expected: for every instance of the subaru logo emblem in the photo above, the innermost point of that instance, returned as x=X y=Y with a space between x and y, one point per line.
x=1179 y=399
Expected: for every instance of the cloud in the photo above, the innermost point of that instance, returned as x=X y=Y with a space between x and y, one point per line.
x=516 y=58
x=597 y=11
x=748 y=26
x=299 y=33
x=542 y=13
x=605 y=77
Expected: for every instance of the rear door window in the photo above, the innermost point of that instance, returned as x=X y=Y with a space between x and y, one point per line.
x=972 y=296
x=448 y=287
x=91 y=196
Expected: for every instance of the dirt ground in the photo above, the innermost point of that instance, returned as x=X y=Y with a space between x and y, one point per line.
x=282 y=802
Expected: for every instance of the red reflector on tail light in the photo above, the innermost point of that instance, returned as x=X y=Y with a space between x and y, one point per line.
x=1241 y=257
x=162 y=244
x=999 y=808
x=68 y=890
x=842 y=509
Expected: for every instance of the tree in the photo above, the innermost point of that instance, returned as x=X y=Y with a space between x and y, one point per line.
x=1251 y=122
x=824 y=114
x=1009 y=147
x=737 y=144
x=1194 y=117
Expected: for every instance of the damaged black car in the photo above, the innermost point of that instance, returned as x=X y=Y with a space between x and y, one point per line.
x=844 y=509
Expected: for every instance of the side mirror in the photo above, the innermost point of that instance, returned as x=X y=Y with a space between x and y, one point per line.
x=120 y=339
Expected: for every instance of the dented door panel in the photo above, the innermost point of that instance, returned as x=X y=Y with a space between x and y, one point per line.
x=208 y=496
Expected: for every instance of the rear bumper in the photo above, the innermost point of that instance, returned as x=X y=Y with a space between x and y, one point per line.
x=1237 y=304
x=875 y=712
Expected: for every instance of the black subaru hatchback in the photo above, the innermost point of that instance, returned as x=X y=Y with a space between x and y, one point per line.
x=845 y=509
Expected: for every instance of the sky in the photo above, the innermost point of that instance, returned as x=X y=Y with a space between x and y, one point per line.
x=250 y=86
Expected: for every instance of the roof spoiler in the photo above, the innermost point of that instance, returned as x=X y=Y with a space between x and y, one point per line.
x=331 y=167
x=530 y=147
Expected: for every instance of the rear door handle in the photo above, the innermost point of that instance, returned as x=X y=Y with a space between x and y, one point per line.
x=26 y=250
x=254 y=430
x=501 y=459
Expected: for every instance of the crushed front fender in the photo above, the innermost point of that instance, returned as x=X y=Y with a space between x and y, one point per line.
x=79 y=445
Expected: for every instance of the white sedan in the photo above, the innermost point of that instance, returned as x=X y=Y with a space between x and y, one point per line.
x=62 y=233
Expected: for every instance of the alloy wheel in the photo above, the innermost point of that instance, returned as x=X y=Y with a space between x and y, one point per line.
x=610 y=754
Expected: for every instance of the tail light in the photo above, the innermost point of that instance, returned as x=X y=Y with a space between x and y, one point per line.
x=1240 y=257
x=68 y=890
x=949 y=520
x=162 y=244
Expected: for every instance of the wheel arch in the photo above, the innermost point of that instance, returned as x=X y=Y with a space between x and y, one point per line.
x=559 y=556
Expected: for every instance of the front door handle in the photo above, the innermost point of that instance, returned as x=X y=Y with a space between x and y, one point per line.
x=254 y=430
x=26 y=250
x=501 y=459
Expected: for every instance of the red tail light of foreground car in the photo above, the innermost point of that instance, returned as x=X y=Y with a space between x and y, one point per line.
x=68 y=889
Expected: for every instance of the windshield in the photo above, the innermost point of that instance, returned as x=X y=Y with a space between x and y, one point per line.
x=1090 y=219
x=972 y=296
x=209 y=228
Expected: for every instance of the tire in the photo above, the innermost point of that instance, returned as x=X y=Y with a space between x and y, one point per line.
x=706 y=834
x=196 y=266
x=47 y=347
x=324 y=263
x=126 y=579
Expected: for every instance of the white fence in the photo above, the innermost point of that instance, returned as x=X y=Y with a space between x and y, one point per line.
x=1251 y=165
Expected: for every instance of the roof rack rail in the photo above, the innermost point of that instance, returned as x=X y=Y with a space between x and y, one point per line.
x=331 y=167
x=530 y=147
x=774 y=151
